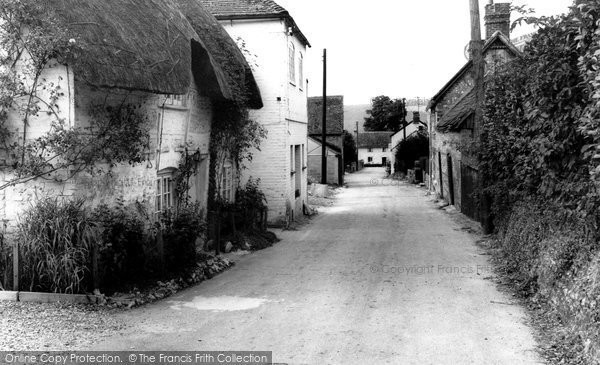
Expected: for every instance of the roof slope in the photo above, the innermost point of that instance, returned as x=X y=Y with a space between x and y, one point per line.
x=224 y=8
x=251 y=9
x=498 y=40
x=374 y=139
x=329 y=145
x=147 y=45
x=458 y=113
x=335 y=115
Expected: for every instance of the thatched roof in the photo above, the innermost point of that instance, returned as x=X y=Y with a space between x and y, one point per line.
x=335 y=115
x=153 y=46
x=374 y=139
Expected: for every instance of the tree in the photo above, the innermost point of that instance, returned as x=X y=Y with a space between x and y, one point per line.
x=386 y=114
x=411 y=149
x=349 y=146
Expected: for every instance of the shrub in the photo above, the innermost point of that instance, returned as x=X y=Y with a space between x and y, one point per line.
x=55 y=237
x=122 y=249
x=181 y=228
x=249 y=201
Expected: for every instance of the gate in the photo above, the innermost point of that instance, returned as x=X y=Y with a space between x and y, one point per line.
x=469 y=181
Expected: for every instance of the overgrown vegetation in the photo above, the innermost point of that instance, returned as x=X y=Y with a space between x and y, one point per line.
x=60 y=238
x=539 y=161
x=411 y=149
x=55 y=240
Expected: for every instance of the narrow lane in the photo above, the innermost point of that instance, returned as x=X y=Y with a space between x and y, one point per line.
x=381 y=277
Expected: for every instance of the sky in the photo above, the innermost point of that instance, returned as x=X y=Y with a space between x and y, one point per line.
x=398 y=48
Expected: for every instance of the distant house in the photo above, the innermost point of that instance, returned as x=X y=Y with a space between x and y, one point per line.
x=334 y=136
x=454 y=171
x=335 y=169
x=276 y=49
x=407 y=130
x=374 y=148
x=175 y=94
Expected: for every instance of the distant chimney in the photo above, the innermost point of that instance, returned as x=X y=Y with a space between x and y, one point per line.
x=416 y=117
x=497 y=18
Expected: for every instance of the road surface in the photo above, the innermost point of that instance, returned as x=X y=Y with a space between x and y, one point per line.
x=381 y=277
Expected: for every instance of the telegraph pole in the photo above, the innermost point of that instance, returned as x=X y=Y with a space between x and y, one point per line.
x=324 y=124
x=476 y=46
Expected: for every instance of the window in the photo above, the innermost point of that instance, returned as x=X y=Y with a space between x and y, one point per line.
x=176 y=100
x=370 y=150
x=164 y=192
x=370 y=159
x=301 y=71
x=227 y=182
x=384 y=149
x=292 y=63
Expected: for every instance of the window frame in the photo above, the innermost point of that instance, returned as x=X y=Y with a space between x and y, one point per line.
x=300 y=70
x=226 y=188
x=165 y=191
x=292 y=64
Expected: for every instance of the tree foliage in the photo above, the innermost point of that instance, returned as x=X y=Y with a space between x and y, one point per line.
x=386 y=114
x=349 y=147
x=540 y=161
x=410 y=150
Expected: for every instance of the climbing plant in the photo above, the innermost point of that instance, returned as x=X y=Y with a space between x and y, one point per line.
x=32 y=41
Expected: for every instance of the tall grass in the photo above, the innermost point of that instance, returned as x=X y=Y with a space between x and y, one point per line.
x=55 y=238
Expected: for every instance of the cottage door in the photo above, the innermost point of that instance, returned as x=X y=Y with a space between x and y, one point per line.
x=450 y=180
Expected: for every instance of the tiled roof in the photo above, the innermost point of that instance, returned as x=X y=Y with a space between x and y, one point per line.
x=227 y=8
x=335 y=115
x=498 y=40
x=458 y=113
x=251 y=9
x=374 y=139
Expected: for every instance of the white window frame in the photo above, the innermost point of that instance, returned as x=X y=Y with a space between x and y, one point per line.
x=226 y=190
x=176 y=101
x=165 y=191
x=301 y=70
x=292 y=63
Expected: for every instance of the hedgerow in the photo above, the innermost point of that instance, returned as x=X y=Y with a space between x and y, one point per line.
x=539 y=156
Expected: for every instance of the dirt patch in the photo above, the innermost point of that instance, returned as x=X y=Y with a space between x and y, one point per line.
x=316 y=201
x=551 y=335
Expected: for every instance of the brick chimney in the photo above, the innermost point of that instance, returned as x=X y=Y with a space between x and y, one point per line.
x=416 y=118
x=497 y=18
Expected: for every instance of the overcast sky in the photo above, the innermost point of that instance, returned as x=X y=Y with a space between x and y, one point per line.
x=399 y=48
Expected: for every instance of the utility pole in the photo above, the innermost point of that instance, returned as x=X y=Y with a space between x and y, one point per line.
x=356 y=145
x=476 y=47
x=324 y=124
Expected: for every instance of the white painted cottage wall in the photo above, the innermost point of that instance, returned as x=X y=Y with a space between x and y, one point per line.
x=284 y=114
x=131 y=183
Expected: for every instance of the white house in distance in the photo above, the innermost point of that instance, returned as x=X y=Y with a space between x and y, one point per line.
x=276 y=49
x=374 y=148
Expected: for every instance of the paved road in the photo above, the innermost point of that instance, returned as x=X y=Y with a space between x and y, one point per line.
x=381 y=277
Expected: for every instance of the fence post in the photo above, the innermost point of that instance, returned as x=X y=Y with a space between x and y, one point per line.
x=95 y=278
x=16 y=266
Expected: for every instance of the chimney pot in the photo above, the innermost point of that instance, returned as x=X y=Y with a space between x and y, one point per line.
x=497 y=18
